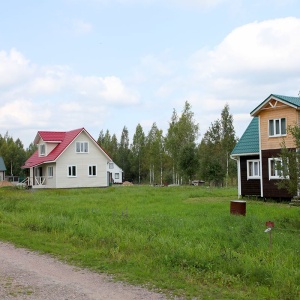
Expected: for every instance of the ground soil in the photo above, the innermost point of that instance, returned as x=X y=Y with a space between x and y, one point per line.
x=28 y=275
x=5 y=183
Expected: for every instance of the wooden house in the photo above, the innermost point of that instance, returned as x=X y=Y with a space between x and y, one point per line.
x=257 y=152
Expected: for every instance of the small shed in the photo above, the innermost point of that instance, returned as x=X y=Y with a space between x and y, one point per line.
x=2 y=169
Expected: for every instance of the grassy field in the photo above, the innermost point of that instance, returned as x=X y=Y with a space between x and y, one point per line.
x=181 y=240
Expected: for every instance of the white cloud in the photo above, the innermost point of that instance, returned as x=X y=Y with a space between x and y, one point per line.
x=251 y=62
x=54 y=97
x=14 y=68
x=255 y=47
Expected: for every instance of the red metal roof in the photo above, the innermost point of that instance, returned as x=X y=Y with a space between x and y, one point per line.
x=50 y=136
x=64 y=139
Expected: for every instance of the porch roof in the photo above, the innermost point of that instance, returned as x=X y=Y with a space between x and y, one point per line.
x=2 y=164
x=249 y=142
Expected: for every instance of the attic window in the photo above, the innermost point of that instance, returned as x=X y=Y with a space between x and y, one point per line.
x=42 y=148
x=82 y=147
x=277 y=127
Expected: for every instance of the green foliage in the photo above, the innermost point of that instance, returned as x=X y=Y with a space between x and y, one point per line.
x=289 y=167
x=138 y=151
x=215 y=148
x=13 y=154
x=181 y=240
x=182 y=131
x=188 y=160
x=154 y=154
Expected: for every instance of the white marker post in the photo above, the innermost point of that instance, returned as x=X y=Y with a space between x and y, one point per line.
x=270 y=225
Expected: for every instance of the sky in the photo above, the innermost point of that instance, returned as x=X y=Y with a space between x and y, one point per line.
x=106 y=64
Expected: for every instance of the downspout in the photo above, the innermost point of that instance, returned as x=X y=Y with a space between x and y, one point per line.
x=260 y=160
x=239 y=174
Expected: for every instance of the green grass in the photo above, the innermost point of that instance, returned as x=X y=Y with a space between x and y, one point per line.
x=181 y=240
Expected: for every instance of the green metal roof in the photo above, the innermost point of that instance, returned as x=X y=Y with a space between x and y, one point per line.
x=249 y=142
x=292 y=101
x=2 y=164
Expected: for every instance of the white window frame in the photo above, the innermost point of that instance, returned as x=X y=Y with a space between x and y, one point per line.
x=277 y=173
x=276 y=127
x=110 y=165
x=42 y=149
x=82 y=147
x=50 y=172
x=92 y=170
x=72 y=171
x=117 y=175
x=251 y=167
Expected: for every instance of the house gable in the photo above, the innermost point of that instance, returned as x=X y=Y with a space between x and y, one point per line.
x=282 y=116
x=275 y=101
x=89 y=166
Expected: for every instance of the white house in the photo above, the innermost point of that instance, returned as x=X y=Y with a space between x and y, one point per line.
x=117 y=172
x=67 y=160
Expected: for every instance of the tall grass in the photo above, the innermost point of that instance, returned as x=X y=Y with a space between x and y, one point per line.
x=181 y=240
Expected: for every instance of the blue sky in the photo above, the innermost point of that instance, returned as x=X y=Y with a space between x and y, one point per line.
x=106 y=64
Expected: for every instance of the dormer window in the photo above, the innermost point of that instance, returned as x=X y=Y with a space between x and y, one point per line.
x=42 y=148
x=82 y=147
x=277 y=127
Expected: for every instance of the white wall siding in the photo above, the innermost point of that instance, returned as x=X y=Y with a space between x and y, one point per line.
x=82 y=161
x=116 y=170
x=50 y=181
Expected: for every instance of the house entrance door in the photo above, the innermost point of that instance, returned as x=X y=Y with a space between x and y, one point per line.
x=109 y=179
x=38 y=175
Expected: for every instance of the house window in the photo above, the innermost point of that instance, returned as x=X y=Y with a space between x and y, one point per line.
x=277 y=127
x=111 y=165
x=253 y=169
x=82 y=147
x=277 y=170
x=117 y=175
x=72 y=171
x=50 y=171
x=42 y=150
x=92 y=170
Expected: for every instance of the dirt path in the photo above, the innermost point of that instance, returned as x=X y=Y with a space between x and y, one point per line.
x=28 y=275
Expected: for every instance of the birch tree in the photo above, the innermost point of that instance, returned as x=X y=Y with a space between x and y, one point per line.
x=137 y=152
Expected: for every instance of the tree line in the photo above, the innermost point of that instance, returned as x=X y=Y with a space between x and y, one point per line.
x=157 y=158
x=176 y=157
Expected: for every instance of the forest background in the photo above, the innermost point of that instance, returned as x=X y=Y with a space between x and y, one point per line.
x=177 y=157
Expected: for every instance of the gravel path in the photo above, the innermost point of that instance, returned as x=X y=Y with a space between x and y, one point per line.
x=28 y=275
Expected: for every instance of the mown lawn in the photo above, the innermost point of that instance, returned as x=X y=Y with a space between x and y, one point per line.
x=181 y=240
